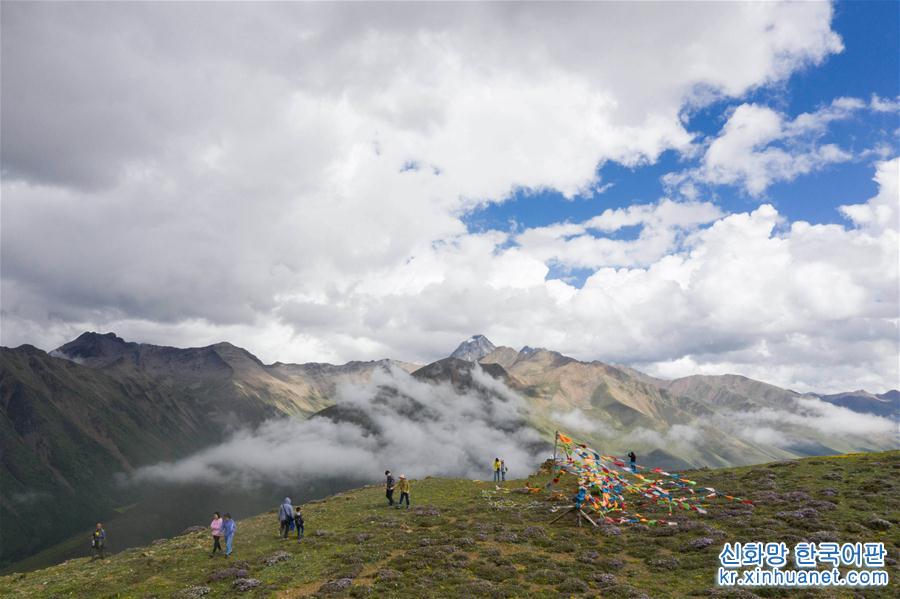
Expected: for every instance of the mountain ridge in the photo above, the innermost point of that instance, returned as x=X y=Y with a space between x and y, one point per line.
x=102 y=404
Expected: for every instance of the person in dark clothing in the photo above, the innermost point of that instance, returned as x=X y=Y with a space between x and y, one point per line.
x=298 y=522
x=633 y=459
x=98 y=542
x=286 y=517
x=389 y=487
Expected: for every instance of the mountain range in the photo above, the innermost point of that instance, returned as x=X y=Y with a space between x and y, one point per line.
x=75 y=418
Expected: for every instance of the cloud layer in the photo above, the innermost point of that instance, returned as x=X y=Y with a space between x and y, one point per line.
x=424 y=429
x=293 y=178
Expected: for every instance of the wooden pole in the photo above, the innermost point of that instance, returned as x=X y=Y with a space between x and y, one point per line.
x=549 y=485
x=555 y=446
x=579 y=513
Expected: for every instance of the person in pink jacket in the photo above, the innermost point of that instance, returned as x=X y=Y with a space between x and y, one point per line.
x=216 y=527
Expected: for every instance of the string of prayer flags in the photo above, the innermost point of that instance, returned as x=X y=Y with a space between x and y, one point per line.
x=607 y=485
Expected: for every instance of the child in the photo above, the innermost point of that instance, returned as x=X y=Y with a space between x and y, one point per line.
x=98 y=542
x=403 y=485
x=229 y=526
x=216 y=528
x=298 y=522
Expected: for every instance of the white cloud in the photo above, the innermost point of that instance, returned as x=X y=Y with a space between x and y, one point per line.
x=577 y=421
x=883 y=211
x=808 y=419
x=759 y=146
x=879 y=104
x=683 y=437
x=445 y=432
x=663 y=226
x=195 y=184
x=800 y=305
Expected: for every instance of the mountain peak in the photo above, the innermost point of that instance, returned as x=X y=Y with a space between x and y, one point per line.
x=473 y=349
x=93 y=348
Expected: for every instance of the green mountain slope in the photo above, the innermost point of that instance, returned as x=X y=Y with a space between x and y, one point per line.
x=66 y=430
x=71 y=420
x=465 y=538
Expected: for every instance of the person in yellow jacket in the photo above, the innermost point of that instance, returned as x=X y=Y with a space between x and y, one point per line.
x=497 y=470
x=403 y=487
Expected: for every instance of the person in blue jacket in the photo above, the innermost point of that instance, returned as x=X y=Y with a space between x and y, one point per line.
x=229 y=526
x=98 y=542
x=286 y=517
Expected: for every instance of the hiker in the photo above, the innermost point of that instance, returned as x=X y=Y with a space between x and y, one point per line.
x=286 y=517
x=216 y=528
x=503 y=470
x=298 y=522
x=496 y=470
x=633 y=460
x=98 y=542
x=229 y=526
x=389 y=487
x=403 y=485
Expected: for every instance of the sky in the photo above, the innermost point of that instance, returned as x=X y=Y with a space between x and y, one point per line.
x=683 y=187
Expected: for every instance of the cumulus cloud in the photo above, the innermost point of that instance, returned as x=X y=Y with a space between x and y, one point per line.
x=293 y=177
x=583 y=245
x=881 y=212
x=394 y=422
x=759 y=146
x=879 y=104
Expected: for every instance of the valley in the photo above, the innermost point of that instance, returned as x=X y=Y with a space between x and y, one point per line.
x=80 y=421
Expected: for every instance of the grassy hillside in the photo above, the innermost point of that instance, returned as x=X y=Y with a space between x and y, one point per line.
x=67 y=429
x=466 y=539
x=68 y=426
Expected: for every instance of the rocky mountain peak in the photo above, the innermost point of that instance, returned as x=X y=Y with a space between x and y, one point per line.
x=93 y=348
x=473 y=349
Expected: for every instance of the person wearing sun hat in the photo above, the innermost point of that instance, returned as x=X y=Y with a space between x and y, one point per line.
x=403 y=487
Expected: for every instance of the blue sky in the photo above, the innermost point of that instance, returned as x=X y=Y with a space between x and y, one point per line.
x=204 y=186
x=869 y=64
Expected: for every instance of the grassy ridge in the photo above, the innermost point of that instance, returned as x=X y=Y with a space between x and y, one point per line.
x=466 y=539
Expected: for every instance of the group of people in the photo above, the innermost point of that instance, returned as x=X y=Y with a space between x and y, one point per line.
x=401 y=485
x=499 y=470
x=222 y=527
x=290 y=518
